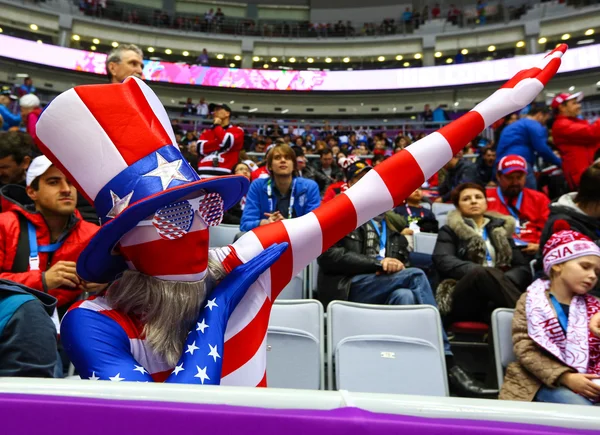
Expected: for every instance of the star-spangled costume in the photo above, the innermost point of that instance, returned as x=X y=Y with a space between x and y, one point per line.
x=128 y=166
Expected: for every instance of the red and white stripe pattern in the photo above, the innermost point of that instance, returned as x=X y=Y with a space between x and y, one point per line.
x=113 y=141
x=173 y=259
x=387 y=185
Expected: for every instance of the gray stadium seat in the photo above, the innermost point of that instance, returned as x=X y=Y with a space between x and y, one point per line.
x=440 y=208
x=503 y=345
x=386 y=349
x=295 y=345
x=222 y=235
x=424 y=242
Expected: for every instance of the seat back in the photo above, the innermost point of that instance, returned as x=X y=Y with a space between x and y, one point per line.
x=314 y=277
x=222 y=235
x=425 y=242
x=294 y=289
x=440 y=208
x=387 y=333
x=503 y=345
x=442 y=219
x=295 y=345
x=389 y=364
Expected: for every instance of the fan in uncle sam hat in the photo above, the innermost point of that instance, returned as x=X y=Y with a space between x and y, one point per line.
x=115 y=143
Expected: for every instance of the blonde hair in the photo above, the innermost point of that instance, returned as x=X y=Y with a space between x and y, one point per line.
x=167 y=309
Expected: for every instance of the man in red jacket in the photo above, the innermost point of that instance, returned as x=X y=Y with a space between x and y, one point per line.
x=576 y=139
x=42 y=240
x=219 y=147
x=529 y=207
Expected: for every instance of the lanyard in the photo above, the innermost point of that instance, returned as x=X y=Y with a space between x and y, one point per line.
x=562 y=317
x=382 y=237
x=409 y=211
x=488 y=256
x=272 y=203
x=34 y=259
x=511 y=208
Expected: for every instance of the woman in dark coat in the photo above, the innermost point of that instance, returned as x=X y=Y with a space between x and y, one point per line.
x=479 y=267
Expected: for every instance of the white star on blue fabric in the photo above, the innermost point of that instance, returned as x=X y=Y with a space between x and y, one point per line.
x=140 y=369
x=202 y=374
x=117 y=378
x=211 y=303
x=191 y=348
x=94 y=377
x=178 y=369
x=167 y=171
x=213 y=352
x=201 y=326
x=119 y=204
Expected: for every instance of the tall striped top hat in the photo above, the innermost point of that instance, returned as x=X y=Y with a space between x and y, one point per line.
x=116 y=145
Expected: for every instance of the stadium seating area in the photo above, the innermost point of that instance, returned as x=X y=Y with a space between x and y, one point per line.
x=397 y=360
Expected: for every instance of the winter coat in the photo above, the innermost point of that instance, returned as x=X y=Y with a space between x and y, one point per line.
x=532 y=215
x=460 y=249
x=577 y=140
x=306 y=194
x=74 y=239
x=485 y=173
x=324 y=180
x=534 y=366
x=564 y=215
x=351 y=256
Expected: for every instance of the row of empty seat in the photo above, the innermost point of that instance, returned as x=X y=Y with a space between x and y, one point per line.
x=370 y=348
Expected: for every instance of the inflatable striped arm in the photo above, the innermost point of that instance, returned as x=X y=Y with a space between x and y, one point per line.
x=378 y=191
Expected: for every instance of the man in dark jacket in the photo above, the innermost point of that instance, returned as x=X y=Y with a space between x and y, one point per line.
x=486 y=165
x=326 y=171
x=459 y=171
x=369 y=266
x=27 y=333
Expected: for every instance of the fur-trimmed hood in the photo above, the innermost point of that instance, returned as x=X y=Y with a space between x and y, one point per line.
x=500 y=228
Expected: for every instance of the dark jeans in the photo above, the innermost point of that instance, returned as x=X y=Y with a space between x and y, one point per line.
x=407 y=287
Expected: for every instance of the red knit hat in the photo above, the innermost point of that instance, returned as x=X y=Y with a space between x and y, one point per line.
x=567 y=245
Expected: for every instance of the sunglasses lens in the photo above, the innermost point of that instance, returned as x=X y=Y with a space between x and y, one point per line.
x=210 y=209
x=174 y=220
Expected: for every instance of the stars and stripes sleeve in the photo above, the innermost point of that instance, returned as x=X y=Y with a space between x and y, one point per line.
x=99 y=348
x=380 y=190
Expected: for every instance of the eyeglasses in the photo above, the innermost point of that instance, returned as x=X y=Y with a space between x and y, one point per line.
x=175 y=220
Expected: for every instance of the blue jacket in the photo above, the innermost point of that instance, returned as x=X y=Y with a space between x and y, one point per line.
x=525 y=138
x=10 y=119
x=306 y=194
x=27 y=333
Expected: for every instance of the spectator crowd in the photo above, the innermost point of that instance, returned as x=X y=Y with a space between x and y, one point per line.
x=508 y=206
x=216 y=21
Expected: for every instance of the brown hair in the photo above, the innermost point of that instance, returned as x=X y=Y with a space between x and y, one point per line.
x=455 y=195
x=286 y=151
